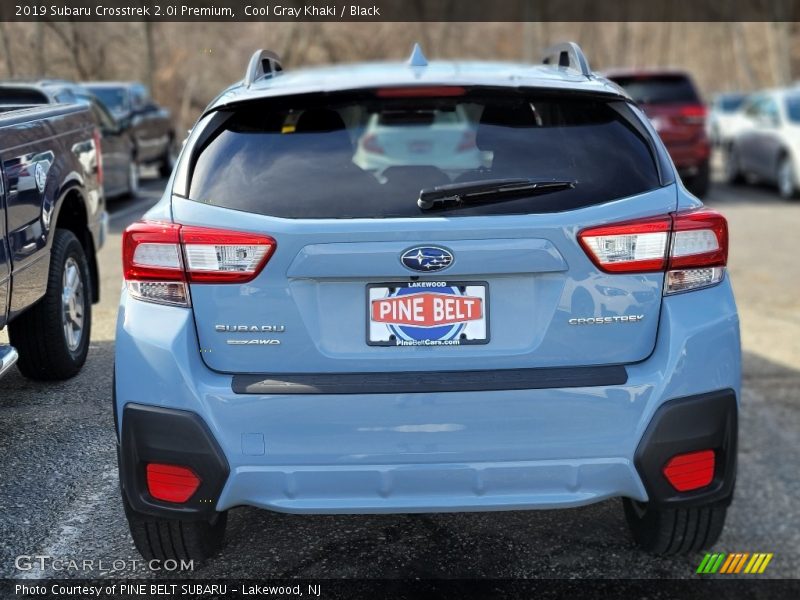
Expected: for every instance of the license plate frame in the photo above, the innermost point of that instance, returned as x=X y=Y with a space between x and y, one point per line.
x=469 y=333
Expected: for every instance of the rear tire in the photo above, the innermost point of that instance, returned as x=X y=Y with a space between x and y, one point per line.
x=52 y=337
x=669 y=531
x=733 y=172
x=133 y=178
x=698 y=184
x=168 y=160
x=786 y=178
x=174 y=539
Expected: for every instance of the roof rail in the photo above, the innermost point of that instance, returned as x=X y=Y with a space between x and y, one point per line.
x=263 y=63
x=569 y=56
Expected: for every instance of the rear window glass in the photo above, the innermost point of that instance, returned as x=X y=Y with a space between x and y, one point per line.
x=371 y=157
x=659 y=89
x=22 y=96
x=730 y=103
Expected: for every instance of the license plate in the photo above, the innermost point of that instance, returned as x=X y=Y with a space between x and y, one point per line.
x=427 y=313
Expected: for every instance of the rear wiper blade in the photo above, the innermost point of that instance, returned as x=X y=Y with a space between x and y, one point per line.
x=491 y=190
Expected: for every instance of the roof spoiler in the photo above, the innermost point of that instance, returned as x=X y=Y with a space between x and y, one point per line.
x=567 y=55
x=263 y=63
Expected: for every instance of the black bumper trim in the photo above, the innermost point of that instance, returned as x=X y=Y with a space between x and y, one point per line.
x=179 y=437
x=703 y=422
x=429 y=381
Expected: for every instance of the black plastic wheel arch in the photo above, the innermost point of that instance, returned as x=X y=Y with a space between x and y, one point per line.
x=703 y=422
x=179 y=437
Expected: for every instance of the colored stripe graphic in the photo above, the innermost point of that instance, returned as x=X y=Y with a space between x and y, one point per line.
x=741 y=562
x=719 y=562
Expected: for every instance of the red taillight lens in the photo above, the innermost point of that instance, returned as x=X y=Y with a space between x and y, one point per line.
x=171 y=483
x=691 y=471
x=429 y=91
x=631 y=247
x=98 y=150
x=216 y=256
x=693 y=113
x=160 y=258
x=699 y=239
x=691 y=246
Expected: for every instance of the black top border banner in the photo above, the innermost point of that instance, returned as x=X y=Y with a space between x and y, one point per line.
x=400 y=10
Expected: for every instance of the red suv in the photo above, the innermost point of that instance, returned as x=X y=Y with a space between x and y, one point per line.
x=670 y=100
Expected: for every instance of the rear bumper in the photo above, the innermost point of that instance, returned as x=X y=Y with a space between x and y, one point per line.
x=437 y=451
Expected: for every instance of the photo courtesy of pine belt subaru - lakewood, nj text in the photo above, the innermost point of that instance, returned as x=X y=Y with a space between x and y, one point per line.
x=424 y=287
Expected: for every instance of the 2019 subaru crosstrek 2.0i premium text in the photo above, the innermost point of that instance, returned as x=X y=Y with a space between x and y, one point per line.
x=548 y=327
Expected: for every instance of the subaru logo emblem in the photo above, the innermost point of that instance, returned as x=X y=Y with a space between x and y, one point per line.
x=426 y=258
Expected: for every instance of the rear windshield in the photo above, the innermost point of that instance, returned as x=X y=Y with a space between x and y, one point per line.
x=22 y=96
x=730 y=103
x=371 y=157
x=659 y=89
x=116 y=99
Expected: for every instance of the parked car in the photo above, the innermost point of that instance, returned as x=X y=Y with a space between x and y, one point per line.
x=150 y=124
x=52 y=222
x=768 y=149
x=671 y=101
x=725 y=118
x=548 y=330
x=119 y=156
x=444 y=139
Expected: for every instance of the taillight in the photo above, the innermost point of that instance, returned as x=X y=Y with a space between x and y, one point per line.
x=98 y=151
x=160 y=259
x=693 y=113
x=428 y=91
x=692 y=247
x=691 y=471
x=171 y=483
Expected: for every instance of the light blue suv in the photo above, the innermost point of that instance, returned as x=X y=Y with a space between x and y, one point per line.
x=547 y=327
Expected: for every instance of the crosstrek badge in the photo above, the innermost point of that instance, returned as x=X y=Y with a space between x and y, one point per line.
x=427 y=309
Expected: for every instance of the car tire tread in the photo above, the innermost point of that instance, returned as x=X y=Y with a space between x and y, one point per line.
x=174 y=539
x=37 y=333
x=675 y=531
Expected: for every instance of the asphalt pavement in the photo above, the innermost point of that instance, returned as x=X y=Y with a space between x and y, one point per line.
x=59 y=492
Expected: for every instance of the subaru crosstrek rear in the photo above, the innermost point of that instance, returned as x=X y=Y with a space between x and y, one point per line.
x=548 y=324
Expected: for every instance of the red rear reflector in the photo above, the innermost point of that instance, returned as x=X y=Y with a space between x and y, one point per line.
x=171 y=483
x=690 y=471
x=420 y=92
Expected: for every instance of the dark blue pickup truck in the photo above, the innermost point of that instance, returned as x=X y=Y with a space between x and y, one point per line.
x=52 y=222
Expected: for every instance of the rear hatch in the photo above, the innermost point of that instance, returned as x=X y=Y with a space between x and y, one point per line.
x=364 y=280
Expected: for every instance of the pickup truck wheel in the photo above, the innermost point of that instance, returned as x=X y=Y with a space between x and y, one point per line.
x=174 y=539
x=52 y=337
x=666 y=531
x=133 y=178
x=786 y=179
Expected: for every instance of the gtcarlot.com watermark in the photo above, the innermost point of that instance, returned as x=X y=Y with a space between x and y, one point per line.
x=43 y=562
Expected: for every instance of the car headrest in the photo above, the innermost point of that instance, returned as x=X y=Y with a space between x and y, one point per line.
x=493 y=117
x=319 y=120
